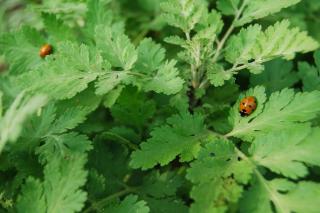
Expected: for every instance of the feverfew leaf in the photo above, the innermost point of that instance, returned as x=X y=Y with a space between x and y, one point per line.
x=228 y=7
x=115 y=46
x=60 y=191
x=166 y=80
x=285 y=196
x=284 y=109
x=183 y=14
x=22 y=49
x=277 y=41
x=150 y=56
x=65 y=74
x=181 y=136
x=278 y=75
x=260 y=8
x=310 y=75
x=217 y=175
x=57 y=30
x=11 y=123
x=129 y=204
x=287 y=152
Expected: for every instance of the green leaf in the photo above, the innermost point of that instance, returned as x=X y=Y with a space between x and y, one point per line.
x=277 y=41
x=129 y=204
x=97 y=14
x=217 y=175
x=115 y=46
x=217 y=75
x=261 y=8
x=181 y=136
x=183 y=14
x=286 y=197
x=60 y=191
x=133 y=108
x=228 y=7
x=150 y=56
x=288 y=152
x=32 y=197
x=278 y=75
x=240 y=46
x=63 y=76
x=22 y=48
x=57 y=30
x=11 y=124
x=310 y=75
x=283 y=110
x=166 y=80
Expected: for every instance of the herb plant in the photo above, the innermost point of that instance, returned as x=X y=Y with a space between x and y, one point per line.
x=133 y=106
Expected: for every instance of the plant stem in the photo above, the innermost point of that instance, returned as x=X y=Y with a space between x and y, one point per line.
x=122 y=140
x=100 y=204
x=229 y=31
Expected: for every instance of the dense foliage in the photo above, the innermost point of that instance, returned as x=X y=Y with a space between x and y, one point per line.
x=136 y=109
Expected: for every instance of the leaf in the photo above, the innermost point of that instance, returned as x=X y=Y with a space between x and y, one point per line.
x=217 y=75
x=72 y=64
x=21 y=49
x=283 y=110
x=286 y=196
x=288 y=152
x=115 y=46
x=32 y=197
x=228 y=7
x=57 y=30
x=150 y=56
x=310 y=75
x=278 y=75
x=166 y=80
x=97 y=14
x=129 y=204
x=217 y=176
x=261 y=8
x=60 y=190
x=181 y=136
x=11 y=124
x=133 y=108
x=277 y=41
x=183 y=14
x=240 y=46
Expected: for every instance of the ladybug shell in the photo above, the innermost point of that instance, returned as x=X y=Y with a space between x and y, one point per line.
x=247 y=106
x=45 y=50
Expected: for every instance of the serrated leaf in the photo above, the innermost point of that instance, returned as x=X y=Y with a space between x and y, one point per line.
x=278 y=75
x=276 y=41
x=217 y=174
x=166 y=80
x=183 y=14
x=115 y=46
x=287 y=152
x=129 y=204
x=284 y=109
x=285 y=196
x=260 y=8
x=150 y=56
x=310 y=75
x=57 y=30
x=179 y=137
x=72 y=64
x=217 y=75
x=22 y=49
x=11 y=124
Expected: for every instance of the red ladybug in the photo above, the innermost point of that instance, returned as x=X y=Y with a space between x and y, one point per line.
x=247 y=106
x=45 y=50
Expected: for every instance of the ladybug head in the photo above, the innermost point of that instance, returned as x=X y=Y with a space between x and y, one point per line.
x=243 y=113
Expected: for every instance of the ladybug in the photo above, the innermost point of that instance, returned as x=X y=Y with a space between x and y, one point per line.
x=247 y=106
x=45 y=50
